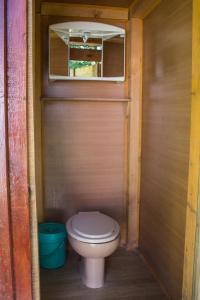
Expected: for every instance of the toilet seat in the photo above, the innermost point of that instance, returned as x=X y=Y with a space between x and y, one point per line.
x=93 y=227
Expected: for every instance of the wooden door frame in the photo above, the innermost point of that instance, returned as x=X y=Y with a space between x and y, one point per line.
x=15 y=241
x=191 y=274
x=6 y=275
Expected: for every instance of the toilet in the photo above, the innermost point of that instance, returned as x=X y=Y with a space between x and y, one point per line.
x=93 y=236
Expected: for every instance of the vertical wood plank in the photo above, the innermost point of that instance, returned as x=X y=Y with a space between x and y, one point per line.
x=6 y=287
x=194 y=166
x=38 y=121
x=135 y=131
x=33 y=147
x=17 y=131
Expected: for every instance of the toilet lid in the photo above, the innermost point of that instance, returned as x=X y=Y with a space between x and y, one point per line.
x=93 y=227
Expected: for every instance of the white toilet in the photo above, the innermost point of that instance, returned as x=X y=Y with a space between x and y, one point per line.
x=93 y=236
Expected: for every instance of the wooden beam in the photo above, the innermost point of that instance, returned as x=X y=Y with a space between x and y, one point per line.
x=6 y=280
x=17 y=141
x=135 y=131
x=142 y=8
x=194 y=164
x=86 y=11
x=133 y=3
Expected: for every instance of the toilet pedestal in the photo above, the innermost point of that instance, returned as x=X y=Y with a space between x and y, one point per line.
x=94 y=236
x=92 y=272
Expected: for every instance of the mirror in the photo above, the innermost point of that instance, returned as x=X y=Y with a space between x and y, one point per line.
x=86 y=51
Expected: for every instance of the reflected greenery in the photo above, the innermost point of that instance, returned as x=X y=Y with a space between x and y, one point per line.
x=75 y=64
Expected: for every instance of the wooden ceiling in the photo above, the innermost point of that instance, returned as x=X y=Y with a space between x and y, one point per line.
x=117 y=3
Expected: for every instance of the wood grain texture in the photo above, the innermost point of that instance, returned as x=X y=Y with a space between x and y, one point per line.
x=17 y=141
x=6 y=280
x=85 y=159
x=142 y=8
x=135 y=121
x=86 y=99
x=85 y=54
x=32 y=149
x=165 y=140
x=80 y=89
x=38 y=119
x=86 y=11
x=113 y=58
x=193 y=208
x=58 y=55
x=114 y=3
x=127 y=278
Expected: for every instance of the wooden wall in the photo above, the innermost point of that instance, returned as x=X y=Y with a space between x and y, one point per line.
x=165 y=140
x=58 y=56
x=84 y=158
x=84 y=142
x=113 y=52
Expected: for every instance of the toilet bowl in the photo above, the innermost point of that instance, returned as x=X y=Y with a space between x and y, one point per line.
x=93 y=236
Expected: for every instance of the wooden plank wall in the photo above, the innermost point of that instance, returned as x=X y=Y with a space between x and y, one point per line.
x=84 y=159
x=58 y=56
x=141 y=9
x=84 y=141
x=165 y=140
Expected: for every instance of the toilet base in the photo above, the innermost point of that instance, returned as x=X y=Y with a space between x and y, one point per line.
x=92 y=272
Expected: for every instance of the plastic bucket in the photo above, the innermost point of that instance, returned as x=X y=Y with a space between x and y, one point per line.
x=52 y=245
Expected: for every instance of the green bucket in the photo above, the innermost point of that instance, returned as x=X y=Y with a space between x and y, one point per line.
x=52 y=245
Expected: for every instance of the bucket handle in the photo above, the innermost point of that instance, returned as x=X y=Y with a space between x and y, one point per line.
x=57 y=248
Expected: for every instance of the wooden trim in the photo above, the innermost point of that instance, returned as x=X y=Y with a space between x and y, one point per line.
x=38 y=121
x=33 y=160
x=6 y=280
x=194 y=163
x=135 y=131
x=86 y=99
x=196 y=276
x=141 y=9
x=86 y=11
x=17 y=141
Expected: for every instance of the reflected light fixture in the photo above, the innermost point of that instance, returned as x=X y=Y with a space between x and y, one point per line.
x=86 y=36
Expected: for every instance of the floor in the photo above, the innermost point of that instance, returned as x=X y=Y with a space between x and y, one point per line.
x=127 y=278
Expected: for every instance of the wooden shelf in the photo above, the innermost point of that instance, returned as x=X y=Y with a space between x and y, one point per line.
x=86 y=99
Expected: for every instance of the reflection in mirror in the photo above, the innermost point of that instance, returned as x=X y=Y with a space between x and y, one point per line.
x=86 y=50
x=85 y=58
x=58 y=55
x=113 y=47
